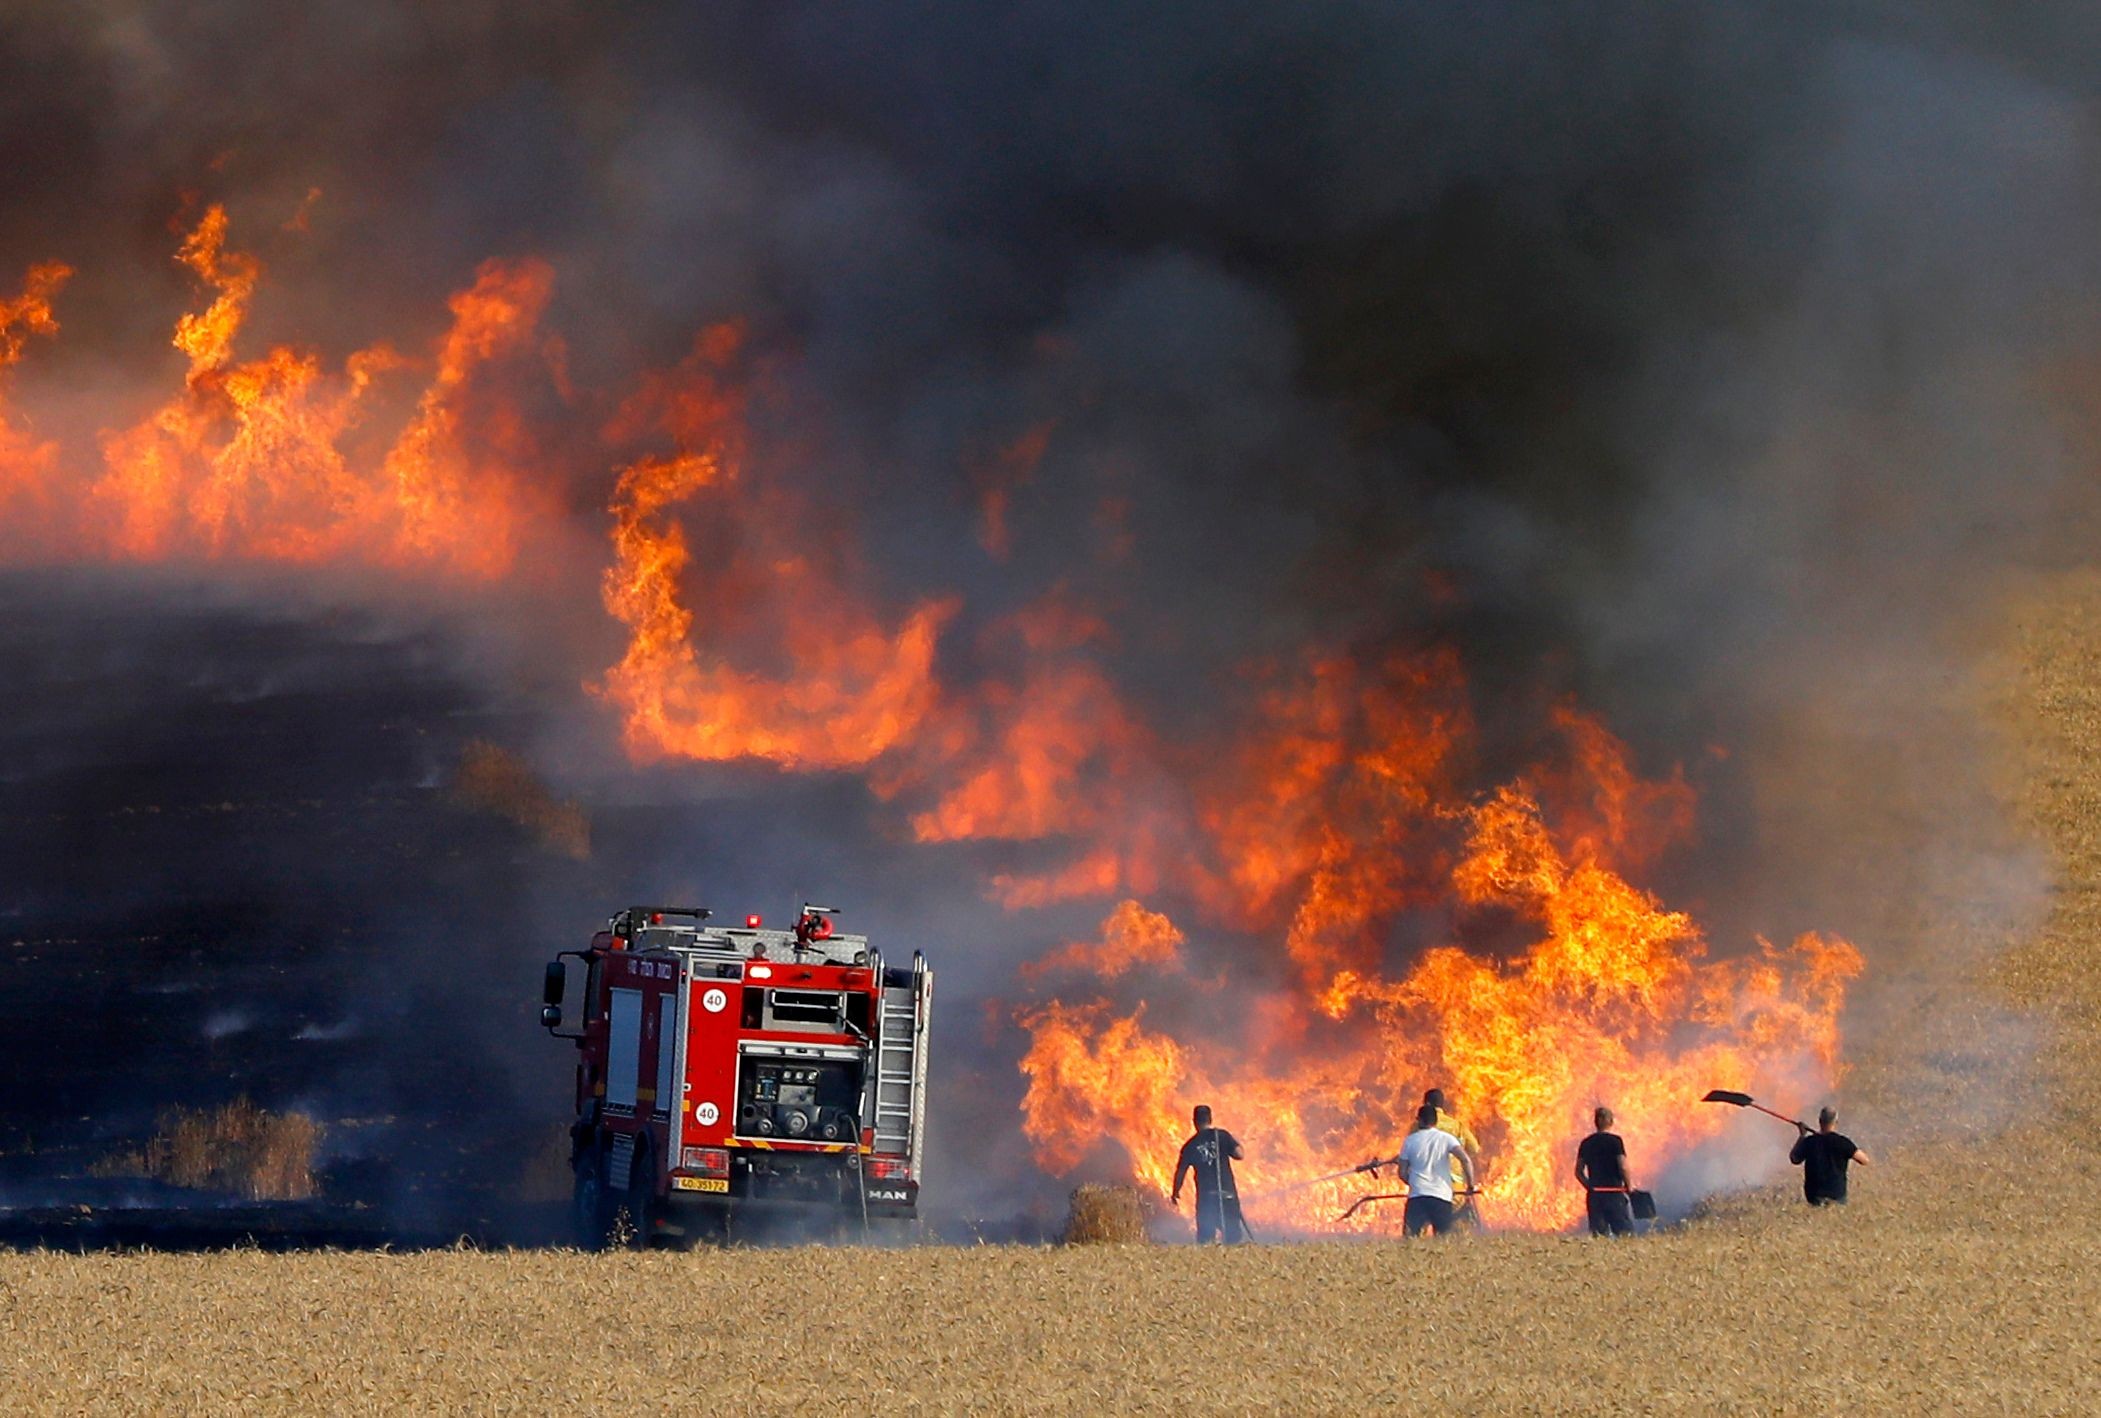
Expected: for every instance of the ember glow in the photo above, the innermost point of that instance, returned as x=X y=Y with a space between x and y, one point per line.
x=1319 y=901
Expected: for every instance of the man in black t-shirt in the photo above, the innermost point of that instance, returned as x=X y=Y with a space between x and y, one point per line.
x=1601 y=1166
x=1823 y=1156
x=1210 y=1155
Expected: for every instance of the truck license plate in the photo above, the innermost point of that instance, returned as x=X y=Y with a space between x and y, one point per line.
x=701 y=1184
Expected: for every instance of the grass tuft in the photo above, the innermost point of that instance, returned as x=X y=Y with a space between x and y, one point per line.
x=238 y=1148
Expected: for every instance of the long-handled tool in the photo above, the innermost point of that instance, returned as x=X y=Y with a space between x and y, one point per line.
x=1743 y=1100
x=1371 y=1167
x=1218 y=1191
x=1397 y=1196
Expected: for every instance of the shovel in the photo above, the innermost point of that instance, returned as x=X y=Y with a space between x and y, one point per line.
x=1743 y=1100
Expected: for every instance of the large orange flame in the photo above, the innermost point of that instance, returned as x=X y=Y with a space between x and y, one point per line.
x=448 y=506
x=1608 y=999
x=30 y=312
x=1020 y=758
x=251 y=458
x=27 y=462
x=1131 y=937
x=850 y=690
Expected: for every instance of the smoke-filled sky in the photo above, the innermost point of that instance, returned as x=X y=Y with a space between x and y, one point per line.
x=1704 y=366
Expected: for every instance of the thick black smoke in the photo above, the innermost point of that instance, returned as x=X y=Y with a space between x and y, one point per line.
x=1721 y=357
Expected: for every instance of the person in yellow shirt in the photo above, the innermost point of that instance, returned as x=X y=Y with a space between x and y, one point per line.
x=1434 y=1098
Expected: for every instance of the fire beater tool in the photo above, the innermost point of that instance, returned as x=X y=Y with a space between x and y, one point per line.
x=1390 y=1196
x=1371 y=1167
x=1218 y=1187
x=1743 y=1100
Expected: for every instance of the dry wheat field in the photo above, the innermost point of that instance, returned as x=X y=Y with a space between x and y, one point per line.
x=1922 y=1296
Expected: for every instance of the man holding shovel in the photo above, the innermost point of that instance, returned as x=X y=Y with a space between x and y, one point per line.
x=1823 y=1156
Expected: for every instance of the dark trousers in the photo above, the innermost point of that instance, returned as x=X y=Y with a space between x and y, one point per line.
x=1611 y=1214
x=1427 y=1213
x=1216 y=1215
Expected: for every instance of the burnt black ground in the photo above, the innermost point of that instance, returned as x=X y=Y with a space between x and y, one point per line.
x=229 y=864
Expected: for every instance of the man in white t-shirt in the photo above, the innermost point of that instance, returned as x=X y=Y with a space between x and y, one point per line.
x=1426 y=1159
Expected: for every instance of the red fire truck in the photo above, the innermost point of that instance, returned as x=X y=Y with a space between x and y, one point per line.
x=722 y=1071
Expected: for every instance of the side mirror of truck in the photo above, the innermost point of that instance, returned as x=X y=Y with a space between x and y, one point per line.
x=551 y=995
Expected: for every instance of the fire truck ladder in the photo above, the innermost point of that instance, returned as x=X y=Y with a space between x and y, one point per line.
x=900 y=1065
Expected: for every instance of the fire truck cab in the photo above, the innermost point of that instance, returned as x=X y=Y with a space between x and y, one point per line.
x=724 y=1070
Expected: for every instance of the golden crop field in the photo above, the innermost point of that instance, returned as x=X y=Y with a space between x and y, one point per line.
x=1929 y=1293
x=1785 y=1310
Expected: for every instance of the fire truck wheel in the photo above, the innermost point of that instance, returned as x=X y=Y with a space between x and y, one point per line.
x=590 y=1207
